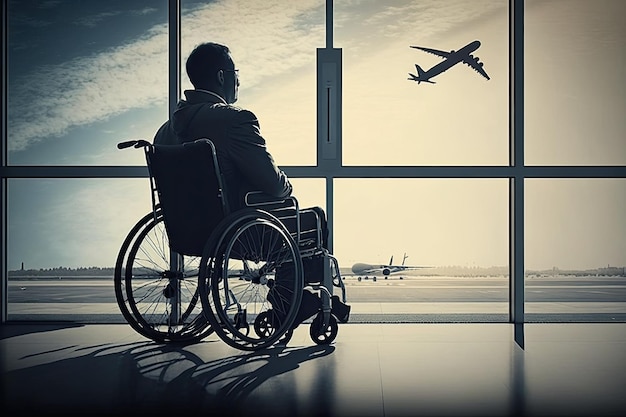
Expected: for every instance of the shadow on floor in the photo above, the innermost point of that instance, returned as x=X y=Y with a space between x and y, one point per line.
x=16 y=328
x=143 y=378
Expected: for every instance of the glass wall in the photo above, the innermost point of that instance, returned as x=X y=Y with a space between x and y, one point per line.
x=273 y=45
x=406 y=102
x=461 y=119
x=63 y=239
x=83 y=76
x=64 y=236
x=453 y=234
x=575 y=250
x=575 y=92
x=575 y=99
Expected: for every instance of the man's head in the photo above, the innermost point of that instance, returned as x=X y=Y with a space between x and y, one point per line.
x=210 y=67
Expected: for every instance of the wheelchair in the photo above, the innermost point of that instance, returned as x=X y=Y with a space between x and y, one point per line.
x=192 y=267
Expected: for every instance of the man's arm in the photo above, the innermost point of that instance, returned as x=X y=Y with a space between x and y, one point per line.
x=250 y=155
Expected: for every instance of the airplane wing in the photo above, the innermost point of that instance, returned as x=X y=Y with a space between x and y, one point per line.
x=404 y=267
x=391 y=268
x=437 y=52
x=475 y=63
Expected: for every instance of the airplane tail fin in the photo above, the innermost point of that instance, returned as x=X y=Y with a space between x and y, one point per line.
x=391 y=261
x=404 y=258
x=420 y=75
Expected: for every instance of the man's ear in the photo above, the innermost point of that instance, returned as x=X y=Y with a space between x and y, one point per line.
x=220 y=77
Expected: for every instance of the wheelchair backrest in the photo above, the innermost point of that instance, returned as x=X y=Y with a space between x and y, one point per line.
x=188 y=183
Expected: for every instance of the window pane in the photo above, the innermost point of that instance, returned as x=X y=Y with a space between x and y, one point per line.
x=274 y=46
x=575 y=250
x=575 y=96
x=83 y=76
x=309 y=192
x=64 y=237
x=460 y=120
x=458 y=229
x=63 y=240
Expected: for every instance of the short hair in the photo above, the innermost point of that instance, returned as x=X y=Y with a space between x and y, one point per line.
x=204 y=62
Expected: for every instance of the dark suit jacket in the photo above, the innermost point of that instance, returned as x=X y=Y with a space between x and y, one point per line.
x=241 y=151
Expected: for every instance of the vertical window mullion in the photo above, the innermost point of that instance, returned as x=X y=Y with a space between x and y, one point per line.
x=516 y=160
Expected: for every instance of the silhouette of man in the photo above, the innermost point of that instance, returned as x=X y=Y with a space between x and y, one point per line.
x=208 y=112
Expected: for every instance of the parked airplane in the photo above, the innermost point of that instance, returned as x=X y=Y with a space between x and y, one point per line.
x=386 y=270
x=463 y=55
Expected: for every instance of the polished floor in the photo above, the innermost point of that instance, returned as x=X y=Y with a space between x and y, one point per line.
x=370 y=370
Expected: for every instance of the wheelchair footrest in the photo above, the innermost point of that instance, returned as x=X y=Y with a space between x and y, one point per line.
x=340 y=310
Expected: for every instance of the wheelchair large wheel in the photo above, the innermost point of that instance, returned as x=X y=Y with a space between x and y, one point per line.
x=251 y=280
x=160 y=304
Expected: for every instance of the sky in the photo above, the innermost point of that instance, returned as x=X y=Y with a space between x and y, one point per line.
x=84 y=76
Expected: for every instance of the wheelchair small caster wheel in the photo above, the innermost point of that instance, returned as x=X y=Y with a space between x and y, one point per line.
x=320 y=335
x=265 y=324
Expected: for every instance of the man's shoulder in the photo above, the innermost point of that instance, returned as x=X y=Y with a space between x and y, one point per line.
x=235 y=110
x=234 y=115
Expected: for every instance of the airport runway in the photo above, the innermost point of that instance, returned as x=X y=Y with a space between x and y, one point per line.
x=409 y=299
x=392 y=290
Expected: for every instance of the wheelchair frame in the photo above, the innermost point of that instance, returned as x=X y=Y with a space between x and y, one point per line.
x=234 y=285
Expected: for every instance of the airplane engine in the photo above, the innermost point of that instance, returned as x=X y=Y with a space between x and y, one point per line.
x=386 y=271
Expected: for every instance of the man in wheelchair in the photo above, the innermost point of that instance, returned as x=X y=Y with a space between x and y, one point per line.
x=246 y=165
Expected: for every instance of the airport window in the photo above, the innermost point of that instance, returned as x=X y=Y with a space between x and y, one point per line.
x=309 y=191
x=574 y=227
x=423 y=169
x=575 y=94
x=76 y=87
x=60 y=256
x=273 y=46
x=461 y=119
x=450 y=234
x=575 y=246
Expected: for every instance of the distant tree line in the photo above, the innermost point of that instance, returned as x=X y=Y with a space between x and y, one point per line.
x=611 y=271
x=458 y=271
x=62 y=271
x=500 y=271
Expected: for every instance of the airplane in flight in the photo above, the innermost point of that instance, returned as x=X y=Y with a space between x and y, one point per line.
x=452 y=58
x=363 y=269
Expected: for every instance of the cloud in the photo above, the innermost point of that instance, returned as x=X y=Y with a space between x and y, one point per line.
x=94 y=20
x=51 y=4
x=266 y=38
x=269 y=38
x=88 y=89
x=406 y=19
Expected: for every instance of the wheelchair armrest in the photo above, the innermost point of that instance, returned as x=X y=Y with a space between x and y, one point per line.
x=259 y=198
x=287 y=210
